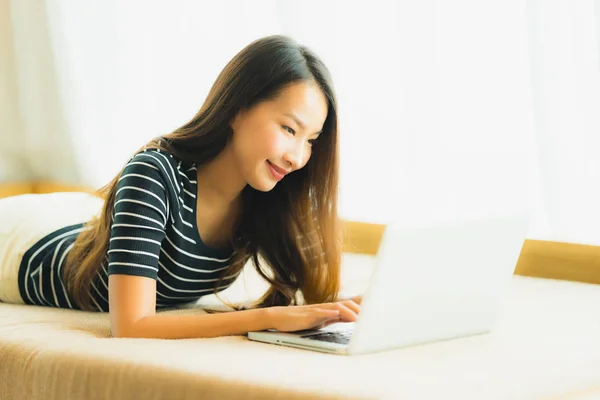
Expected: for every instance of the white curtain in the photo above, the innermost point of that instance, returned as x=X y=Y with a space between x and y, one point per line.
x=447 y=109
x=564 y=41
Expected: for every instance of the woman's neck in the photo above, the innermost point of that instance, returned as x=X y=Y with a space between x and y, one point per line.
x=219 y=182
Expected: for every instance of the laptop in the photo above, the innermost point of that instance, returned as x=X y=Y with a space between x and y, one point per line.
x=430 y=283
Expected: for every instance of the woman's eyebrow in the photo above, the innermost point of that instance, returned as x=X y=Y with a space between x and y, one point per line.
x=300 y=123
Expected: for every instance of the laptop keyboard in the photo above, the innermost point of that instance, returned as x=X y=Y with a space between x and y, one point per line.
x=341 y=337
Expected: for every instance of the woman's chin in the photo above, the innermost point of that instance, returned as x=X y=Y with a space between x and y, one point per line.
x=263 y=184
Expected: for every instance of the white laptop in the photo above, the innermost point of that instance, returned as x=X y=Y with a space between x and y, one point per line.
x=431 y=283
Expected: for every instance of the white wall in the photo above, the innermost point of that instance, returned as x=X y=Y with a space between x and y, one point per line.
x=438 y=115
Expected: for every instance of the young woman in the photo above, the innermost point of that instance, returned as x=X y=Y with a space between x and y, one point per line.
x=253 y=175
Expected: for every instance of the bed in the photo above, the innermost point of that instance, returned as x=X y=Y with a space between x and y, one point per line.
x=546 y=344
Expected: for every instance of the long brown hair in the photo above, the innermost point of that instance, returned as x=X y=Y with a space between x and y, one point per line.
x=294 y=227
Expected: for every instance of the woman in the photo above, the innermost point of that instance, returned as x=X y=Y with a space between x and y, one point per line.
x=253 y=174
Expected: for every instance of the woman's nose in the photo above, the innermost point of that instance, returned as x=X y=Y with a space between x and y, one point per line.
x=294 y=158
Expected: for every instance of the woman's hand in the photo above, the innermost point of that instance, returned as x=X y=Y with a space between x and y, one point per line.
x=357 y=299
x=313 y=316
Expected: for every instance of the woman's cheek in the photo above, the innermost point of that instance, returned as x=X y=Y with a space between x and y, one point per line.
x=307 y=156
x=276 y=143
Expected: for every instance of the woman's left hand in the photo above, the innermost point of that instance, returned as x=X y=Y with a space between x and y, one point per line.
x=350 y=303
x=357 y=299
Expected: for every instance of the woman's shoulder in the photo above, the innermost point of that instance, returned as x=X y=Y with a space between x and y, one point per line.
x=160 y=157
x=161 y=168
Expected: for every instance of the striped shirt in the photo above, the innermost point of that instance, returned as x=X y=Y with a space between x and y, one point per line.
x=153 y=234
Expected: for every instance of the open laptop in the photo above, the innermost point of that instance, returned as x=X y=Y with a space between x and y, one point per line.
x=435 y=282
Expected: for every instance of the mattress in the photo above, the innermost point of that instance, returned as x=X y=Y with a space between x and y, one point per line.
x=546 y=344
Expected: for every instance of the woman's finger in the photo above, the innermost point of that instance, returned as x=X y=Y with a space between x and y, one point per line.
x=331 y=321
x=346 y=313
x=351 y=305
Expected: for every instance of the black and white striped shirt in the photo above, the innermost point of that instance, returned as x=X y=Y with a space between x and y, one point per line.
x=153 y=234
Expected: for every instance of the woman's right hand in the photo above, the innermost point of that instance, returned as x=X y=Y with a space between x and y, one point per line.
x=313 y=316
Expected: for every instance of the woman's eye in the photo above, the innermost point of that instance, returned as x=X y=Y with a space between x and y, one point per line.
x=293 y=132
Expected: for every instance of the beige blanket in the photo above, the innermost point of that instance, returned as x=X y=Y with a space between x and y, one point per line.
x=546 y=343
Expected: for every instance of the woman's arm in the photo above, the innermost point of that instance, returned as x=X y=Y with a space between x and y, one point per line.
x=132 y=302
x=196 y=326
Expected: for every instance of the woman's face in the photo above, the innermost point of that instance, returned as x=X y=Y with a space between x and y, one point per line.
x=268 y=140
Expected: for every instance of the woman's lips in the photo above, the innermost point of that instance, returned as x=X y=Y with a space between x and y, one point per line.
x=277 y=173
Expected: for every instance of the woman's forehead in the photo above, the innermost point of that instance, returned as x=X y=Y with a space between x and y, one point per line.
x=305 y=101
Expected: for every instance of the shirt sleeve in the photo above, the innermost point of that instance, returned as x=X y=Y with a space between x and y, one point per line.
x=139 y=219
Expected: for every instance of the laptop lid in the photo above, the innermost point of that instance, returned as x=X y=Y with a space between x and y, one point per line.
x=438 y=281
